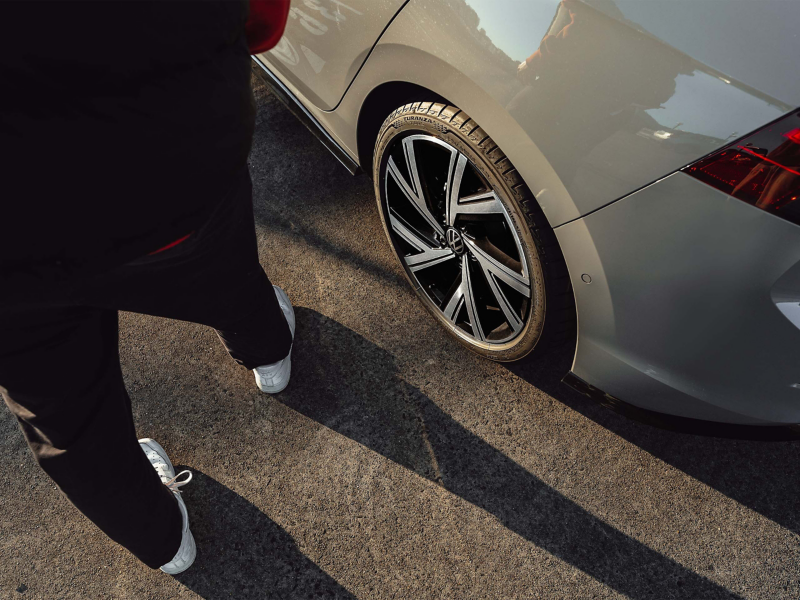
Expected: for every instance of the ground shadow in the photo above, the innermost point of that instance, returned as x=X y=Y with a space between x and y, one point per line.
x=244 y=554
x=761 y=475
x=270 y=220
x=376 y=408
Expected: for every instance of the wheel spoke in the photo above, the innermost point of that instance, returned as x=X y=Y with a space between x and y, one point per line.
x=478 y=204
x=415 y=197
x=469 y=299
x=455 y=303
x=483 y=203
x=463 y=295
x=511 y=316
x=429 y=258
x=428 y=255
x=411 y=163
x=492 y=267
x=454 y=177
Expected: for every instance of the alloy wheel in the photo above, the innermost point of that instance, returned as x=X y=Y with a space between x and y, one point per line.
x=456 y=239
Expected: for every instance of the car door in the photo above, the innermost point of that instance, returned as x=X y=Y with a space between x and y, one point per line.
x=326 y=42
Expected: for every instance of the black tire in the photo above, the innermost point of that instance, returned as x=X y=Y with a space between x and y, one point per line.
x=550 y=313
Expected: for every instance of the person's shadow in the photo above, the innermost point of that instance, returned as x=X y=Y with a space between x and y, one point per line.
x=351 y=386
x=242 y=553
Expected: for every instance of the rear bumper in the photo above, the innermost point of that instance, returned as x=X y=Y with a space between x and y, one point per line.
x=693 y=307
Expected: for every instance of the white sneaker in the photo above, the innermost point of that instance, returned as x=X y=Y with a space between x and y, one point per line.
x=161 y=463
x=275 y=377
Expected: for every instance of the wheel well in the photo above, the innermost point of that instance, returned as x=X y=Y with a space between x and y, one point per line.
x=378 y=104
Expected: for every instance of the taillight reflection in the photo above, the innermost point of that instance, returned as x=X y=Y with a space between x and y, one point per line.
x=762 y=169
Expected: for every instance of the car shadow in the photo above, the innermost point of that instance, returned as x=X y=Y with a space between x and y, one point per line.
x=761 y=475
x=245 y=554
x=372 y=405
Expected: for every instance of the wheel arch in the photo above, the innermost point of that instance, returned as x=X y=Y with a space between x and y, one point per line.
x=387 y=82
x=378 y=104
x=396 y=74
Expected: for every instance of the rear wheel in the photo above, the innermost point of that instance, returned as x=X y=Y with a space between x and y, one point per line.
x=470 y=237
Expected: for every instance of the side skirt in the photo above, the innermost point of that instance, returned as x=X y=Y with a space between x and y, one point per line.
x=294 y=105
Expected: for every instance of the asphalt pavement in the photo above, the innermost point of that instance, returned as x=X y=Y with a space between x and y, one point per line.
x=397 y=464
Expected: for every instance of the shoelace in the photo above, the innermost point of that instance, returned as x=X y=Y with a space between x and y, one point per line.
x=173 y=484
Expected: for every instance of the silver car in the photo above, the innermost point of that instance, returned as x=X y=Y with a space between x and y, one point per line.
x=626 y=169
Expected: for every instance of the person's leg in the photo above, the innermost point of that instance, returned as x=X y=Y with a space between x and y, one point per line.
x=213 y=278
x=60 y=376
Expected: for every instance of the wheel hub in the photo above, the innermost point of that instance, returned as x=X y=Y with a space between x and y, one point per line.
x=455 y=241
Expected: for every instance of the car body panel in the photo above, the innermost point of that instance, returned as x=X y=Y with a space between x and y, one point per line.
x=606 y=123
x=721 y=34
x=692 y=306
x=409 y=52
x=325 y=43
x=574 y=156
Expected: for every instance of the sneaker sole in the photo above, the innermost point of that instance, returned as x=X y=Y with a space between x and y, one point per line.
x=276 y=390
x=282 y=297
x=191 y=560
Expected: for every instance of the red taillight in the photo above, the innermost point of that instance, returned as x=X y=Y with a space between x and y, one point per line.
x=762 y=169
x=793 y=135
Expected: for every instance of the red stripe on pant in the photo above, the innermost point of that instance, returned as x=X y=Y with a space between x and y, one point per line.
x=172 y=244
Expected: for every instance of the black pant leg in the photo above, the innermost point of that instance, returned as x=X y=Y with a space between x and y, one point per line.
x=213 y=278
x=61 y=378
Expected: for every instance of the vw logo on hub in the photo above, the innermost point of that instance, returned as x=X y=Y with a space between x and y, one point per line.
x=455 y=241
